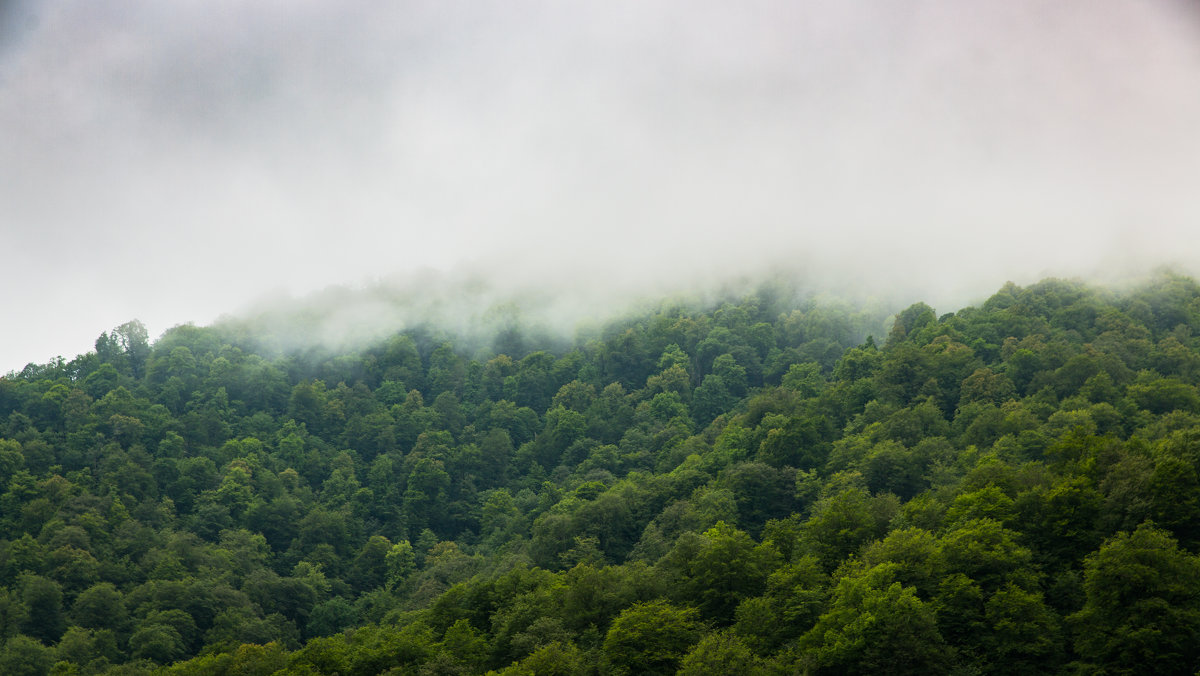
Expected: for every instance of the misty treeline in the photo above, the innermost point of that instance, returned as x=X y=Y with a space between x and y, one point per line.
x=770 y=485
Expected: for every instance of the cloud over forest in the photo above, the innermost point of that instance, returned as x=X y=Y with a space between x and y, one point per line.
x=175 y=161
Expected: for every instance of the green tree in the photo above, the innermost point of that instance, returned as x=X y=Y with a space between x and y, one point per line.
x=368 y=570
x=796 y=595
x=464 y=644
x=843 y=522
x=720 y=569
x=1025 y=636
x=711 y=399
x=134 y=341
x=1142 y=613
x=158 y=642
x=12 y=613
x=44 y=618
x=100 y=606
x=399 y=563
x=987 y=553
x=876 y=627
x=330 y=617
x=650 y=638
x=77 y=646
x=554 y=659
x=426 y=495
x=24 y=656
x=721 y=653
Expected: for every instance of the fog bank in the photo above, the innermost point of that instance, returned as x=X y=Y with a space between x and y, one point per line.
x=177 y=161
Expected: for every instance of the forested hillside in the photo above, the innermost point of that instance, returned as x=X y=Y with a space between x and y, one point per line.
x=763 y=486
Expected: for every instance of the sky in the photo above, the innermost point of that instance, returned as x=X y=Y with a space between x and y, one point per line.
x=174 y=162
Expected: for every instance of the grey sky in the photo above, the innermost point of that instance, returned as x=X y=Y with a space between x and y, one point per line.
x=173 y=161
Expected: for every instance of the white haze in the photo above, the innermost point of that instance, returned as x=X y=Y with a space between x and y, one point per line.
x=174 y=161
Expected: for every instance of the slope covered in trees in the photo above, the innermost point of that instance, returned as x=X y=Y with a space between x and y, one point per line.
x=756 y=487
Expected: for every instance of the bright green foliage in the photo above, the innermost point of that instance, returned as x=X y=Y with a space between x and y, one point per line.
x=987 y=553
x=650 y=638
x=555 y=659
x=876 y=627
x=721 y=653
x=466 y=648
x=247 y=660
x=365 y=651
x=400 y=562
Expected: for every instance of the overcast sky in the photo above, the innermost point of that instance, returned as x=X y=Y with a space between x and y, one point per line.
x=174 y=161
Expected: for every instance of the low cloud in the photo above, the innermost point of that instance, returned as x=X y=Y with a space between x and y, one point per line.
x=175 y=162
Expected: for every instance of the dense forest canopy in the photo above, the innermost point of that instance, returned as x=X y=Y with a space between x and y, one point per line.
x=764 y=485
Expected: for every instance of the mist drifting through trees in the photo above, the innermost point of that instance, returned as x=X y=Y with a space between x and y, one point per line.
x=180 y=162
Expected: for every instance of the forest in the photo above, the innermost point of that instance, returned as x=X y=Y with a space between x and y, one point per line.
x=771 y=483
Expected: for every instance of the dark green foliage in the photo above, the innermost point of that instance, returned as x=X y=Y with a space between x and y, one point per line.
x=719 y=569
x=42 y=599
x=753 y=487
x=1142 y=612
x=24 y=656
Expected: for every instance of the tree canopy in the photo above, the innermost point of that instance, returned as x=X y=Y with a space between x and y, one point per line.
x=766 y=484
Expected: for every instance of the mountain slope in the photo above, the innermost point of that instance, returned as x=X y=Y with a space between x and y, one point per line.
x=766 y=485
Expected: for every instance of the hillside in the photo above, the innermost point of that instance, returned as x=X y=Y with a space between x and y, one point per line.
x=766 y=485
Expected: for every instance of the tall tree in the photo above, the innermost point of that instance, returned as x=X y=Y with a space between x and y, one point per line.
x=1142 y=613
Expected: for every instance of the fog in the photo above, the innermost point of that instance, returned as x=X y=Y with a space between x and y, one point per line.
x=177 y=161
